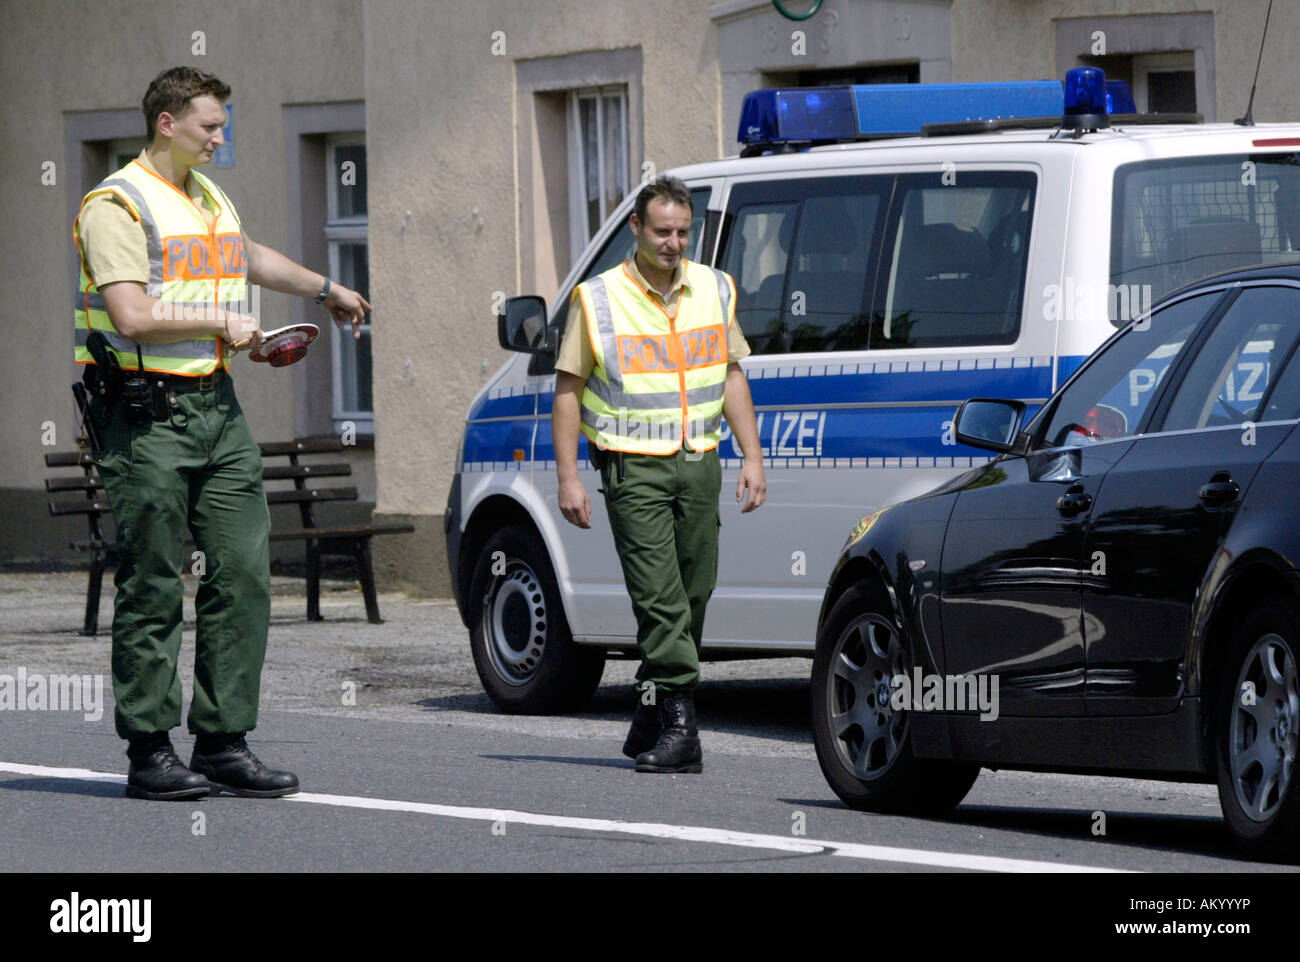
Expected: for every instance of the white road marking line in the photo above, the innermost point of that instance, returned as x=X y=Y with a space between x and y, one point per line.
x=677 y=833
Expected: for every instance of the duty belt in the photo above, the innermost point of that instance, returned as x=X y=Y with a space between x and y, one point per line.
x=180 y=383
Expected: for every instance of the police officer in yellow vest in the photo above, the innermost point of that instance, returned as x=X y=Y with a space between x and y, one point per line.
x=647 y=370
x=164 y=268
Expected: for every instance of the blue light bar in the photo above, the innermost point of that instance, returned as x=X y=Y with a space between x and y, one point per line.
x=804 y=114
x=885 y=109
x=1119 y=98
x=821 y=114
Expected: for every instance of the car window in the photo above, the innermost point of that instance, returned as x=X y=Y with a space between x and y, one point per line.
x=956 y=260
x=1110 y=396
x=1227 y=382
x=803 y=255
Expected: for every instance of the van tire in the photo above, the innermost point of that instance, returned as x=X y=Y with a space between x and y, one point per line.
x=523 y=651
x=887 y=778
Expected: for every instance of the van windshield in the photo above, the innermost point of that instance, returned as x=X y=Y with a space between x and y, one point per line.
x=1176 y=221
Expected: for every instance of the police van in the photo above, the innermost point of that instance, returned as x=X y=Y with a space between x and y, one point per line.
x=896 y=250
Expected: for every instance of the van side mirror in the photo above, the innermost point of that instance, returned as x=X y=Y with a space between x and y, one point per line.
x=522 y=326
x=991 y=424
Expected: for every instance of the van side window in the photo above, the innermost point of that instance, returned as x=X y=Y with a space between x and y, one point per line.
x=803 y=255
x=1180 y=219
x=956 y=254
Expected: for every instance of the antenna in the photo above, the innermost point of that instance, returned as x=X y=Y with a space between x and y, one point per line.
x=1249 y=119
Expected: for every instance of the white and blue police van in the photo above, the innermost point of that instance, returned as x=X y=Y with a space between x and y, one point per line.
x=896 y=250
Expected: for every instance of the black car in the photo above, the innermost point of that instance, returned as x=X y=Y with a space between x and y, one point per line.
x=1116 y=592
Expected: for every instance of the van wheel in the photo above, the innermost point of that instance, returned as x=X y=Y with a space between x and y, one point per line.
x=524 y=654
x=861 y=740
x=1257 y=715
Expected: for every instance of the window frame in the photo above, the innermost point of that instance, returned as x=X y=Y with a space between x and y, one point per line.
x=354 y=229
x=580 y=231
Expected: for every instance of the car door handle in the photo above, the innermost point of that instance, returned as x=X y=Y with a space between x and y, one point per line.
x=1220 y=490
x=1074 y=501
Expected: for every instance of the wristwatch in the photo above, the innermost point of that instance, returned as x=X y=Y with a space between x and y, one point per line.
x=324 y=292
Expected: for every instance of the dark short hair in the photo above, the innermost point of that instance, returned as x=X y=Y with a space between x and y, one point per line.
x=665 y=186
x=173 y=89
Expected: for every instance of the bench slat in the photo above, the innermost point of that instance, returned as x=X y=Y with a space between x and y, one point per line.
x=274 y=449
x=360 y=531
x=78 y=483
x=67 y=459
x=286 y=472
x=58 y=508
x=294 y=496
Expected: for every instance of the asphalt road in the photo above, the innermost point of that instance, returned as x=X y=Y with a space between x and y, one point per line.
x=406 y=766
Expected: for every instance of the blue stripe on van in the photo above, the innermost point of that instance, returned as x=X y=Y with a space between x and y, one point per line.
x=896 y=384
x=903 y=432
x=906 y=429
x=503 y=407
x=499 y=440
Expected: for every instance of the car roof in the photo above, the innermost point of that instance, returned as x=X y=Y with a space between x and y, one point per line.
x=1172 y=139
x=1283 y=270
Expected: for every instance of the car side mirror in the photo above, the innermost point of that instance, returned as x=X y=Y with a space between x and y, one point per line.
x=991 y=424
x=522 y=326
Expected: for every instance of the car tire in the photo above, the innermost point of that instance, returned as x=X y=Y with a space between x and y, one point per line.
x=1256 y=716
x=523 y=652
x=862 y=743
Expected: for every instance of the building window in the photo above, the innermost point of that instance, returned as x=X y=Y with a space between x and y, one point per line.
x=122 y=152
x=1165 y=83
x=598 y=160
x=1167 y=59
x=349 y=264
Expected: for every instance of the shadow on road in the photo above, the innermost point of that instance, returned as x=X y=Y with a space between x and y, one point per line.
x=773 y=708
x=67 y=786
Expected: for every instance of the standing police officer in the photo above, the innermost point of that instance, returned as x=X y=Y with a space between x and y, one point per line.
x=164 y=269
x=647 y=370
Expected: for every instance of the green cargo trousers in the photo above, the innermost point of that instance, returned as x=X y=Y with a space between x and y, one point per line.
x=664 y=514
x=162 y=482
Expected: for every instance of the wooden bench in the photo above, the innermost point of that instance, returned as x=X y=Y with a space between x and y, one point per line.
x=348 y=541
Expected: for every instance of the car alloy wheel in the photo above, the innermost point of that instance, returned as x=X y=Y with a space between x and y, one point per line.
x=862 y=741
x=1262 y=736
x=868 y=731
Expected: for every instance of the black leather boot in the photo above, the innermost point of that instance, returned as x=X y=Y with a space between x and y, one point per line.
x=644 y=733
x=678 y=748
x=157 y=774
x=231 y=767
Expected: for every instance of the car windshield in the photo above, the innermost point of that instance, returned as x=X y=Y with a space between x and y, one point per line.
x=1176 y=221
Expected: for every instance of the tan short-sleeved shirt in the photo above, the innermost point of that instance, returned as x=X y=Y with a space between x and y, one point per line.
x=576 y=356
x=114 y=242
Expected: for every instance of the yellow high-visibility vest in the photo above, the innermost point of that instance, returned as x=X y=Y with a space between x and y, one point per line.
x=658 y=380
x=194 y=268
